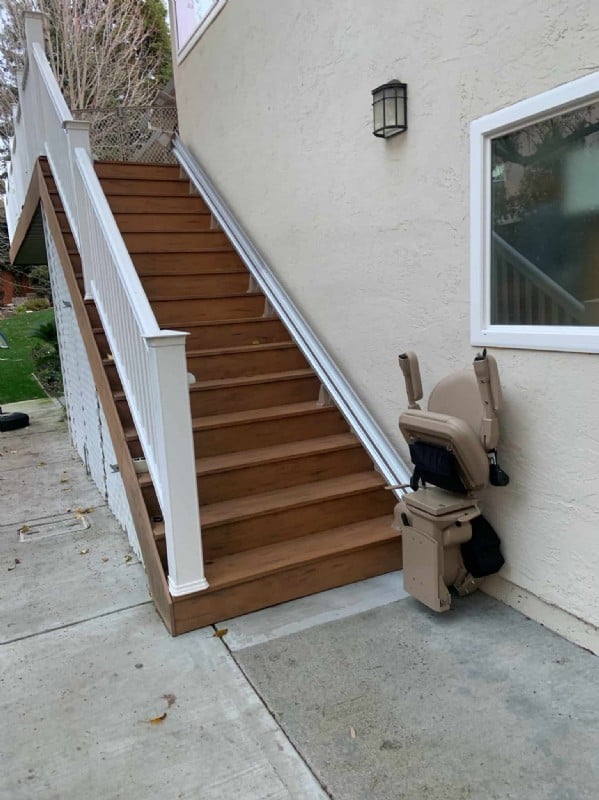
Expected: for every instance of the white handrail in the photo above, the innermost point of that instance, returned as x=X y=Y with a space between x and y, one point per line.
x=385 y=457
x=151 y=363
x=529 y=278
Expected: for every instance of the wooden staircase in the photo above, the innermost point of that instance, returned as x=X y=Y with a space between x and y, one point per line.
x=290 y=502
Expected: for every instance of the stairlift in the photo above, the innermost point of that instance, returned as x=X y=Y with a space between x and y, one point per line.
x=447 y=543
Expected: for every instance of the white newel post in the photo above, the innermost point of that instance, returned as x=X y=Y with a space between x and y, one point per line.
x=177 y=464
x=34 y=34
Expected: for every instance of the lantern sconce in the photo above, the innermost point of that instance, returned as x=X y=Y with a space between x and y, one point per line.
x=390 y=109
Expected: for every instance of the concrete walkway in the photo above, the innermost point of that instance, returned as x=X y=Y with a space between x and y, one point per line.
x=86 y=664
x=383 y=699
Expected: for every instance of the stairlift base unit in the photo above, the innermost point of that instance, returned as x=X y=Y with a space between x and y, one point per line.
x=434 y=524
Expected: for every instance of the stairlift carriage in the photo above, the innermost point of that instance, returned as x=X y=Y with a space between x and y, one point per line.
x=453 y=445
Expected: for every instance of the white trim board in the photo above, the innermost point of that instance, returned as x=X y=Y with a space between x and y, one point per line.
x=572 y=628
x=567 y=97
x=184 y=51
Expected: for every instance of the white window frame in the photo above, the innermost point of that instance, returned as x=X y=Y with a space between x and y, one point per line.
x=565 y=98
x=182 y=52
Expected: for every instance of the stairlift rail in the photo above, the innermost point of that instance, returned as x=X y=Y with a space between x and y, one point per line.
x=384 y=456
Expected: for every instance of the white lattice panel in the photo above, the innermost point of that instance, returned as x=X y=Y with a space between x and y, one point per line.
x=87 y=423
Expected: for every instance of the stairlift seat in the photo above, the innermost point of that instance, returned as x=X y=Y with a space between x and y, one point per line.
x=453 y=434
x=452 y=445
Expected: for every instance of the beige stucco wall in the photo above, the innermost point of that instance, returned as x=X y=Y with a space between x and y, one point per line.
x=371 y=238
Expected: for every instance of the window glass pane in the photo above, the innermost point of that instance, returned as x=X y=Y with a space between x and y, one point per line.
x=545 y=222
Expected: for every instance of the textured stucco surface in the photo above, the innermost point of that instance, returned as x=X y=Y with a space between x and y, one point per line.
x=371 y=238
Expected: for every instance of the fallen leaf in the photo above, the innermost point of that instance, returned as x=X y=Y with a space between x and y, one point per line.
x=14 y=566
x=255 y=341
x=109 y=357
x=170 y=699
x=84 y=552
x=24 y=529
x=17 y=560
x=157 y=720
x=220 y=633
x=41 y=464
x=65 y=478
x=128 y=557
x=352 y=732
x=83 y=510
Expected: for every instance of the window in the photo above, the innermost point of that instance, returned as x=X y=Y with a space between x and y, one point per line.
x=192 y=17
x=535 y=222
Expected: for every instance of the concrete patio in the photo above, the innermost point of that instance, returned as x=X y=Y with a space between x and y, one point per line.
x=358 y=693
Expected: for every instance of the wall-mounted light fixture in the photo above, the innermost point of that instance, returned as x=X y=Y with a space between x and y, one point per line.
x=390 y=109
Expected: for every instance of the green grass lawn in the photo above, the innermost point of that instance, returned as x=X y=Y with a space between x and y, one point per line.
x=16 y=379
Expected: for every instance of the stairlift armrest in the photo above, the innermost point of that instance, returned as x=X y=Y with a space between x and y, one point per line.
x=487 y=375
x=408 y=363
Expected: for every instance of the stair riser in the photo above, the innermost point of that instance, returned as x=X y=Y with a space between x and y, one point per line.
x=281 y=474
x=264 y=433
x=262 y=530
x=216 y=441
x=327 y=573
x=258 y=395
x=174 y=242
x=177 y=313
x=238 y=334
x=199 y=285
x=189 y=263
x=136 y=204
x=221 y=367
x=164 y=223
x=237 y=365
x=146 y=188
x=131 y=171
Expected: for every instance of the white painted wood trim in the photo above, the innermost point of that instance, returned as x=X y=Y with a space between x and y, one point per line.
x=183 y=52
x=556 y=619
x=567 y=97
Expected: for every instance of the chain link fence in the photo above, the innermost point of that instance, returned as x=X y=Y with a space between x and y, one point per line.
x=131 y=133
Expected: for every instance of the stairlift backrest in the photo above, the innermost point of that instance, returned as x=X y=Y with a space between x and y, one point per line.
x=458 y=395
x=461 y=415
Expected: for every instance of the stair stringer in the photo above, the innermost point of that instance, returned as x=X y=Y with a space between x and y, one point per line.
x=151 y=559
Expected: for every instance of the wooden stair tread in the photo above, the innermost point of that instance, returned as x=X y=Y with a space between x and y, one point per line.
x=236 y=269
x=245 y=348
x=264 y=455
x=223 y=351
x=229 y=383
x=224 y=296
x=207 y=323
x=262 y=561
x=290 y=497
x=251 y=415
x=250 y=380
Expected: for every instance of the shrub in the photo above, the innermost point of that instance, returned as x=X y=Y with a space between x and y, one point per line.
x=35 y=304
x=45 y=357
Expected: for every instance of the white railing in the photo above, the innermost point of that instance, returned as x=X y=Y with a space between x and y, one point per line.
x=521 y=288
x=384 y=455
x=150 y=362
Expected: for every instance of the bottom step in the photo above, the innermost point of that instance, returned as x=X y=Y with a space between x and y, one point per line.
x=255 y=579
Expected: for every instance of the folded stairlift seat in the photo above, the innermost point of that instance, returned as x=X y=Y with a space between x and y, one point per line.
x=449 y=435
x=447 y=542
